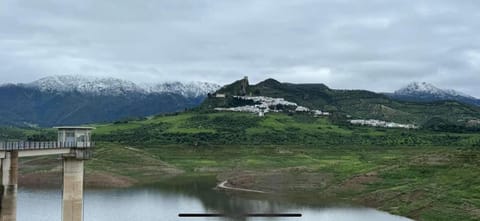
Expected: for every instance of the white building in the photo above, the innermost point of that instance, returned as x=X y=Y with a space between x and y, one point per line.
x=379 y=123
x=301 y=109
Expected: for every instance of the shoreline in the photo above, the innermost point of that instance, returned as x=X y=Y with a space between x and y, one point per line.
x=223 y=185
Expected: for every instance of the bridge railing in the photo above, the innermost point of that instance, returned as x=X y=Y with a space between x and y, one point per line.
x=35 y=145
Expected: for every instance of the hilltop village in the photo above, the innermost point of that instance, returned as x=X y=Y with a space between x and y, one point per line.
x=261 y=105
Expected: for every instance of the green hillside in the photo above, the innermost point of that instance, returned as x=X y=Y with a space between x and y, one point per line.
x=442 y=123
x=356 y=103
x=227 y=128
x=418 y=173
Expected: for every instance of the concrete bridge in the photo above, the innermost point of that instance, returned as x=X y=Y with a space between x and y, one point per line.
x=74 y=145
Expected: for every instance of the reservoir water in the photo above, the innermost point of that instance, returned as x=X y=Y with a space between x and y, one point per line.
x=155 y=204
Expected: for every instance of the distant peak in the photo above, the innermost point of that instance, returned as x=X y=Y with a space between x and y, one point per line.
x=270 y=81
x=421 y=86
x=424 y=88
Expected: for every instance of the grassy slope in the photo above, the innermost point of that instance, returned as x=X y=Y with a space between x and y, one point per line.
x=425 y=181
x=429 y=183
x=222 y=128
x=420 y=174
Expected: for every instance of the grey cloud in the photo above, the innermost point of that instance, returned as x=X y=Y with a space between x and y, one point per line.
x=373 y=44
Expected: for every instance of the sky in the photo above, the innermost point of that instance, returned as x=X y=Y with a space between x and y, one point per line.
x=379 y=45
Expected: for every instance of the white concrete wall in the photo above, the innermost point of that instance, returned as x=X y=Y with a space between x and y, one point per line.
x=72 y=190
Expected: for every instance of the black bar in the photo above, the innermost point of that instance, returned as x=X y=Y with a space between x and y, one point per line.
x=200 y=215
x=240 y=215
x=275 y=215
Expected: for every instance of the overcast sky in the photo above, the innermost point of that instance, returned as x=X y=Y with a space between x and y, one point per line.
x=378 y=45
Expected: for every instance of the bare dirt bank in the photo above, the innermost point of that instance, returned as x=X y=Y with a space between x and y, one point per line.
x=93 y=179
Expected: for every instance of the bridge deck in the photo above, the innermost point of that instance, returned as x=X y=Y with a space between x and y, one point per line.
x=79 y=150
x=33 y=145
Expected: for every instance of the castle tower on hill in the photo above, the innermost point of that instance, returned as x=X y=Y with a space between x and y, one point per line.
x=244 y=86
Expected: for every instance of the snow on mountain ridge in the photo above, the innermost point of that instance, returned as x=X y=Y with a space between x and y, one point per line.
x=458 y=93
x=423 y=88
x=188 y=89
x=114 y=86
x=83 y=84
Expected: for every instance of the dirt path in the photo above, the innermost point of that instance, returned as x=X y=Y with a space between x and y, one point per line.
x=223 y=185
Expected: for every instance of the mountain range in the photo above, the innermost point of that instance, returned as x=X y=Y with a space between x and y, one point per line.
x=74 y=99
x=116 y=87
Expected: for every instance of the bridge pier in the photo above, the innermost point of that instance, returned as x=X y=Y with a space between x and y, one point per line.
x=8 y=206
x=72 y=204
x=74 y=145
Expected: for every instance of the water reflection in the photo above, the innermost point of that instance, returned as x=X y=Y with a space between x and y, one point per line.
x=154 y=205
x=8 y=202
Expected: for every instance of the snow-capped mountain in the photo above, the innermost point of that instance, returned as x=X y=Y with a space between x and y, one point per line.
x=190 y=89
x=84 y=84
x=422 y=91
x=114 y=86
x=74 y=99
x=423 y=88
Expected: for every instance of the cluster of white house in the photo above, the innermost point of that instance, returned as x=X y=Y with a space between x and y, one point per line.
x=269 y=104
x=473 y=123
x=379 y=123
x=268 y=101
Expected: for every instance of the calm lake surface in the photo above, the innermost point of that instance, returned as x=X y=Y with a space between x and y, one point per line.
x=155 y=204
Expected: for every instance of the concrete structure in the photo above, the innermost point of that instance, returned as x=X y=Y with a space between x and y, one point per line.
x=72 y=207
x=74 y=145
x=9 y=186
